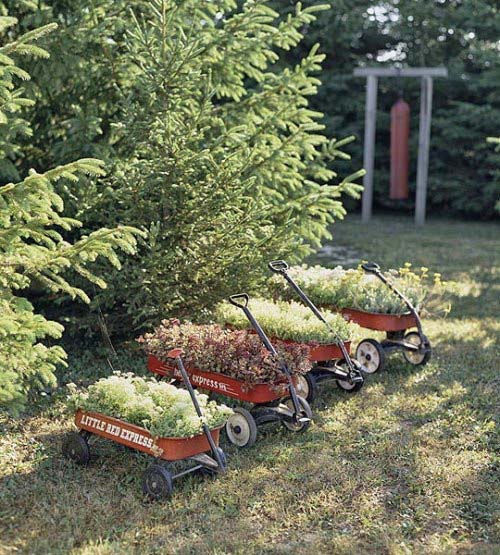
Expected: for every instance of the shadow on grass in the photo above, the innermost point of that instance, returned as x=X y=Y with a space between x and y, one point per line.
x=483 y=302
x=405 y=464
x=362 y=485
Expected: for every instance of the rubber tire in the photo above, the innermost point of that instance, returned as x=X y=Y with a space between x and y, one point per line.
x=157 y=482
x=427 y=354
x=349 y=388
x=306 y=409
x=311 y=387
x=380 y=352
x=240 y=412
x=76 y=448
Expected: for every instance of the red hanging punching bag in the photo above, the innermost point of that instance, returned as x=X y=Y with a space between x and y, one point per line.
x=400 y=135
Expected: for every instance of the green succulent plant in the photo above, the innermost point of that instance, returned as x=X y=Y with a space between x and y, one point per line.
x=353 y=288
x=161 y=408
x=287 y=320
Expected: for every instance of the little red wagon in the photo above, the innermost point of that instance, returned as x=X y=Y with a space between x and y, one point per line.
x=157 y=481
x=370 y=353
x=276 y=402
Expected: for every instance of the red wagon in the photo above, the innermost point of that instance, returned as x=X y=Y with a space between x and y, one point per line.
x=325 y=359
x=277 y=402
x=380 y=322
x=330 y=362
x=157 y=481
x=318 y=351
x=136 y=437
x=219 y=383
x=370 y=353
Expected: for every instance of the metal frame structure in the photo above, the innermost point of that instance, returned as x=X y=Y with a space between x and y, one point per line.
x=372 y=74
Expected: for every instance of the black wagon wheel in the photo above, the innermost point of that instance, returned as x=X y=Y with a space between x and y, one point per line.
x=157 y=482
x=241 y=428
x=305 y=411
x=76 y=448
x=424 y=352
x=346 y=385
x=371 y=355
x=306 y=386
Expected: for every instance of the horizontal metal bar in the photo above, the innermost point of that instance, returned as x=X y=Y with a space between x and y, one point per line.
x=333 y=373
x=263 y=415
x=403 y=72
x=187 y=471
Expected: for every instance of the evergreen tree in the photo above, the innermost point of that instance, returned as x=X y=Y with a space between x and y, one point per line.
x=75 y=89
x=220 y=156
x=459 y=34
x=33 y=247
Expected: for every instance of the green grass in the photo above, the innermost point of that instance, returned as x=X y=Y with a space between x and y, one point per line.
x=407 y=465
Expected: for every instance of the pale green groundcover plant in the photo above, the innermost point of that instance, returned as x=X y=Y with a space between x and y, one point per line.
x=286 y=320
x=340 y=288
x=161 y=408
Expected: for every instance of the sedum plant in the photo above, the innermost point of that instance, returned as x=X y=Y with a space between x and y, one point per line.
x=163 y=409
x=234 y=353
x=286 y=320
x=341 y=288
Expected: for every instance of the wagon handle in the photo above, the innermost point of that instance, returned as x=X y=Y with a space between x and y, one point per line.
x=244 y=296
x=269 y=346
x=278 y=266
x=371 y=267
x=175 y=353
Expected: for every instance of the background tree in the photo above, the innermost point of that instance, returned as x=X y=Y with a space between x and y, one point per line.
x=459 y=34
x=228 y=193
x=33 y=248
x=220 y=156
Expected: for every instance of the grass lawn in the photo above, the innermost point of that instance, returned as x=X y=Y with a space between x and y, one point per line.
x=407 y=465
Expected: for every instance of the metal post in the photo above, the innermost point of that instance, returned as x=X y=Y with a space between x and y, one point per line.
x=423 y=149
x=369 y=146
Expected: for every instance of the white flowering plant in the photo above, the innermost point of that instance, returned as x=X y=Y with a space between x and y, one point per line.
x=354 y=288
x=287 y=321
x=159 y=407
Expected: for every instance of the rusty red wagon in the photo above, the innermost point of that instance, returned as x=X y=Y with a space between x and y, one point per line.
x=272 y=402
x=157 y=482
x=370 y=353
